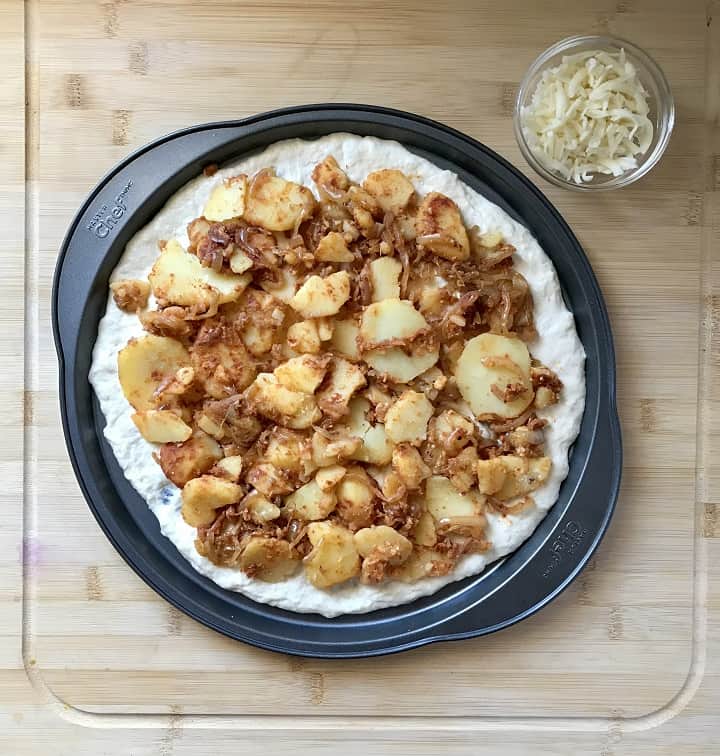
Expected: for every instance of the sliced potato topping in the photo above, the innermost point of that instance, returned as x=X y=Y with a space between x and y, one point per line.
x=179 y=278
x=339 y=386
x=320 y=297
x=390 y=322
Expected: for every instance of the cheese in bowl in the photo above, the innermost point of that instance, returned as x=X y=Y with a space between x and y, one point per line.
x=339 y=377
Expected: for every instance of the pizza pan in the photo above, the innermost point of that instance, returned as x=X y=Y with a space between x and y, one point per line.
x=509 y=590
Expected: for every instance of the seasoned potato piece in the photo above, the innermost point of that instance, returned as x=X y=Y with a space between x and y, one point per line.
x=321 y=297
x=179 y=278
x=182 y=462
x=385 y=278
x=229 y=467
x=334 y=558
x=493 y=375
x=261 y=509
x=383 y=541
x=422 y=563
x=409 y=465
x=330 y=178
x=303 y=337
x=406 y=223
x=344 y=379
x=330 y=447
x=376 y=447
x=355 y=499
x=424 y=532
x=333 y=248
x=399 y=366
x=276 y=204
x=509 y=476
x=490 y=239
x=544 y=397
x=389 y=322
x=451 y=431
x=304 y=373
x=130 y=295
x=462 y=470
x=391 y=188
x=269 y=559
x=270 y=398
x=227 y=199
x=161 y=426
x=443 y=500
x=408 y=417
x=282 y=289
x=221 y=362
x=344 y=339
x=143 y=365
x=268 y=479
x=325 y=328
x=240 y=262
x=287 y=449
x=440 y=228
x=328 y=477
x=202 y=496
x=310 y=502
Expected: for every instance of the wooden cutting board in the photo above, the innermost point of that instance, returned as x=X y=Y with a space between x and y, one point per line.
x=627 y=660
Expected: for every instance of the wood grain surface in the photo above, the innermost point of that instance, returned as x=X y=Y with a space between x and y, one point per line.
x=627 y=660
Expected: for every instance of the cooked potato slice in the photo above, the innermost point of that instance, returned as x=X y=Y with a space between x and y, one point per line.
x=303 y=337
x=282 y=289
x=355 y=499
x=333 y=248
x=424 y=532
x=269 y=559
x=330 y=178
x=240 y=262
x=130 y=295
x=345 y=378
x=261 y=509
x=321 y=297
x=310 y=502
x=444 y=501
x=440 y=228
x=400 y=367
x=328 y=477
x=344 y=339
x=334 y=558
x=409 y=465
x=462 y=469
x=490 y=239
x=286 y=449
x=509 y=476
x=391 y=188
x=227 y=199
x=389 y=322
x=325 y=328
x=229 y=467
x=184 y=461
x=276 y=204
x=270 y=398
x=268 y=479
x=376 y=447
x=161 y=426
x=385 y=278
x=383 y=542
x=408 y=417
x=202 y=496
x=179 y=278
x=492 y=369
x=304 y=373
x=451 y=431
x=422 y=563
x=330 y=447
x=144 y=363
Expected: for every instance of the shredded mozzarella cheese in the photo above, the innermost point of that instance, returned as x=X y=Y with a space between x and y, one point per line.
x=588 y=115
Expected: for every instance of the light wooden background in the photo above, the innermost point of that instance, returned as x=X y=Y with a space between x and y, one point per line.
x=627 y=661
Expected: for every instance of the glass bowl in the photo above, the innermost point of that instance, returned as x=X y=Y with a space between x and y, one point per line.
x=660 y=102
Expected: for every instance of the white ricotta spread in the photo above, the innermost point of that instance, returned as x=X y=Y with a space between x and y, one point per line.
x=558 y=347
